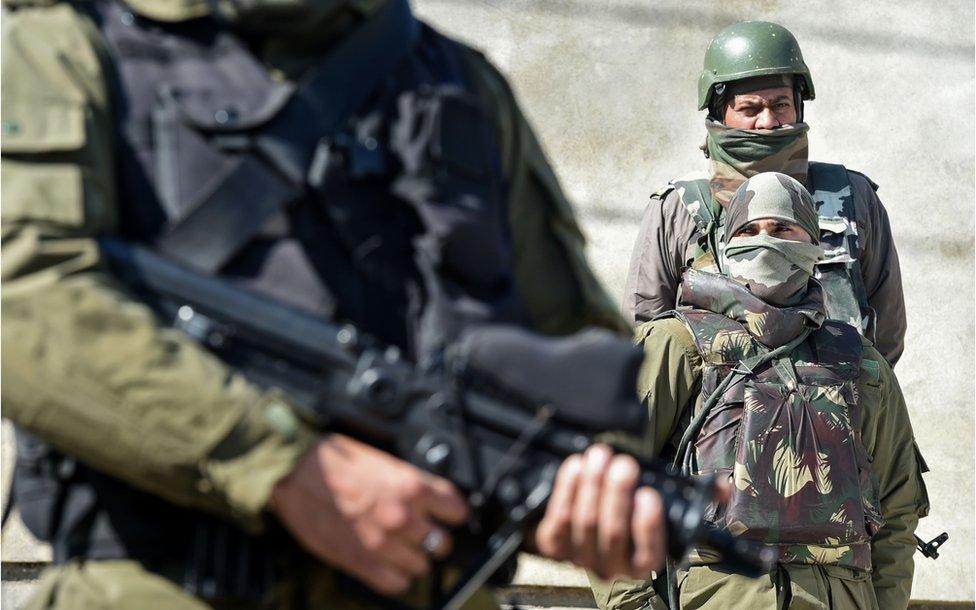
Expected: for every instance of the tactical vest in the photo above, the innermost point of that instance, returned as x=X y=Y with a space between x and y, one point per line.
x=787 y=436
x=370 y=191
x=839 y=272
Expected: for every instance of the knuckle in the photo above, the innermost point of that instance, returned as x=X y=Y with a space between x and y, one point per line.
x=588 y=522
x=395 y=517
x=617 y=536
x=411 y=488
x=373 y=542
x=623 y=471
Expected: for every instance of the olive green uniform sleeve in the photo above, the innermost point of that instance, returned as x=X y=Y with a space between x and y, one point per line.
x=660 y=253
x=559 y=291
x=888 y=437
x=85 y=366
x=669 y=381
x=669 y=385
x=880 y=269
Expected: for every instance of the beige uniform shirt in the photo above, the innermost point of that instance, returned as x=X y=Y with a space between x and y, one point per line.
x=668 y=236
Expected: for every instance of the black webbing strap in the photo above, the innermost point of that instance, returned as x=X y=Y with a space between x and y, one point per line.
x=264 y=180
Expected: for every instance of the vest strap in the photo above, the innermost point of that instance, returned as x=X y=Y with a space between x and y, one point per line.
x=274 y=175
x=840 y=272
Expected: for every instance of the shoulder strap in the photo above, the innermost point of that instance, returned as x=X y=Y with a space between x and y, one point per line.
x=273 y=175
x=831 y=189
x=696 y=197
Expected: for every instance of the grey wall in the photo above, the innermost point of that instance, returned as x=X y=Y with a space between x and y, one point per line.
x=611 y=89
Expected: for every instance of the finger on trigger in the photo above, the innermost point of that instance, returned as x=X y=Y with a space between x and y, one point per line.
x=444 y=502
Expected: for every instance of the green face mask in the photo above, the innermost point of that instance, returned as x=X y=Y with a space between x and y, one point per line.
x=775 y=270
x=738 y=154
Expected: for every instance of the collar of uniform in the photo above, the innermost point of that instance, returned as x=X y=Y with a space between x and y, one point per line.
x=770 y=325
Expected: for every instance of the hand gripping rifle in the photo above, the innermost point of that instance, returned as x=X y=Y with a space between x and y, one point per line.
x=506 y=408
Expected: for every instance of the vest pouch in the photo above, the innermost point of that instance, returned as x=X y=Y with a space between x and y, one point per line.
x=200 y=135
x=797 y=476
x=716 y=441
x=446 y=147
x=44 y=179
x=715 y=445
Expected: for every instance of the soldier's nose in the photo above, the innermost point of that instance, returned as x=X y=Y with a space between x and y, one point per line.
x=767 y=120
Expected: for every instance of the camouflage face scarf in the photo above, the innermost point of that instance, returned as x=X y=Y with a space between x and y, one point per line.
x=770 y=325
x=775 y=270
x=735 y=155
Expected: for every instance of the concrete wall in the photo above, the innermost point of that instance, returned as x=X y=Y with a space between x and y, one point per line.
x=610 y=87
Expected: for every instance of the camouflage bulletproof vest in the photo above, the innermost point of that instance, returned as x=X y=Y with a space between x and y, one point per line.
x=839 y=272
x=787 y=435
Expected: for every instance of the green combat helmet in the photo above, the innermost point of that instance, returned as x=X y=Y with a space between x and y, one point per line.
x=748 y=49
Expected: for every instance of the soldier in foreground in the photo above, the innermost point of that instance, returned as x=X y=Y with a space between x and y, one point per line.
x=753 y=85
x=748 y=381
x=338 y=157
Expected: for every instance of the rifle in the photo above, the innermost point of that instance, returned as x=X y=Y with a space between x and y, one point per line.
x=497 y=417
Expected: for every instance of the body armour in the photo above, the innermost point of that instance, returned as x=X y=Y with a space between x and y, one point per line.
x=370 y=192
x=787 y=435
x=839 y=272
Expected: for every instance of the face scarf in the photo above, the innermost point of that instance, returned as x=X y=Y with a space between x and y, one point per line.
x=775 y=270
x=734 y=155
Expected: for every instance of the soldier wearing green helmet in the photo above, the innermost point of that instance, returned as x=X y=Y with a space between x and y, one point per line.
x=753 y=84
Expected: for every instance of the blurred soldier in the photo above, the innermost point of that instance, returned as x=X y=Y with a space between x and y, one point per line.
x=747 y=381
x=299 y=149
x=753 y=85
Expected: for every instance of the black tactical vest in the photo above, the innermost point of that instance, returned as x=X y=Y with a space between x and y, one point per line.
x=369 y=191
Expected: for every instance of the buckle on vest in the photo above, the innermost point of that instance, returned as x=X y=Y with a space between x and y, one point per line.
x=743 y=369
x=360 y=157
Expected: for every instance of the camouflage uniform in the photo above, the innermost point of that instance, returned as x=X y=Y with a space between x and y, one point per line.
x=93 y=372
x=672 y=235
x=802 y=416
